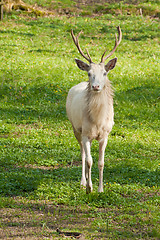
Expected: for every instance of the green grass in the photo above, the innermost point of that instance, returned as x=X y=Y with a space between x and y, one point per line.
x=40 y=165
x=88 y=8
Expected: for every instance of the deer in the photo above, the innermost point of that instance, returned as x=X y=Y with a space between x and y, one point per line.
x=89 y=107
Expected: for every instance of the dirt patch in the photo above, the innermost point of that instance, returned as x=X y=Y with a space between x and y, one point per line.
x=39 y=220
x=92 y=2
x=10 y=5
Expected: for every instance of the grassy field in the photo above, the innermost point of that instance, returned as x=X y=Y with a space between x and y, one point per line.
x=40 y=164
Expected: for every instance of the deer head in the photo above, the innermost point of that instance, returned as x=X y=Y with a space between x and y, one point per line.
x=97 y=73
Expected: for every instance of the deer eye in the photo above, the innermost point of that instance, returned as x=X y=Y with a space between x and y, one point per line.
x=104 y=73
x=89 y=74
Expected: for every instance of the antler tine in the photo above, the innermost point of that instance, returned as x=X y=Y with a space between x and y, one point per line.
x=115 y=46
x=75 y=39
x=88 y=55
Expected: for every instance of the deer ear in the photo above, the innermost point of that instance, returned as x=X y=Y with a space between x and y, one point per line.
x=111 y=64
x=82 y=65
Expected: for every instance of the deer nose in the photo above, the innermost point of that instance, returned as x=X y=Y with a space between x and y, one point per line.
x=95 y=87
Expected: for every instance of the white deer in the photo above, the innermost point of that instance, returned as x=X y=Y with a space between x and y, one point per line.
x=89 y=108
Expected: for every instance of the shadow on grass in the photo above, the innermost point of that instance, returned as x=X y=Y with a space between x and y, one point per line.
x=20 y=115
x=142 y=34
x=48 y=102
x=35 y=103
x=139 y=104
x=42 y=51
x=21 y=181
x=17 y=33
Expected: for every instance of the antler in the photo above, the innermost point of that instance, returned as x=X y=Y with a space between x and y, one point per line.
x=115 y=46
x=75 y=39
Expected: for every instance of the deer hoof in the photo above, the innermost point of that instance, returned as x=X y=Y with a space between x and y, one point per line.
x=100 y=189
x=89 y=188
x=83 y=182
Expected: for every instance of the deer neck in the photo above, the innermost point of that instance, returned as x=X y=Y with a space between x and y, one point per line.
x=99 y=104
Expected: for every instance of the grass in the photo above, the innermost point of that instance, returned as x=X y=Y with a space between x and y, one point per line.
x=40 y=166
x=88 y=8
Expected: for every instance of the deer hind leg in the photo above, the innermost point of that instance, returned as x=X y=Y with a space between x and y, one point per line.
x=102 y=146
x=87 y=149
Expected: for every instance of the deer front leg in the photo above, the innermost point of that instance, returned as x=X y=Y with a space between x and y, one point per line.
x=102 y=146
x=78 y=137
x=83 y=179
x=87 y=148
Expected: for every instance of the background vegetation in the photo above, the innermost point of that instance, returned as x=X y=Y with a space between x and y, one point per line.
x=40 y=165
